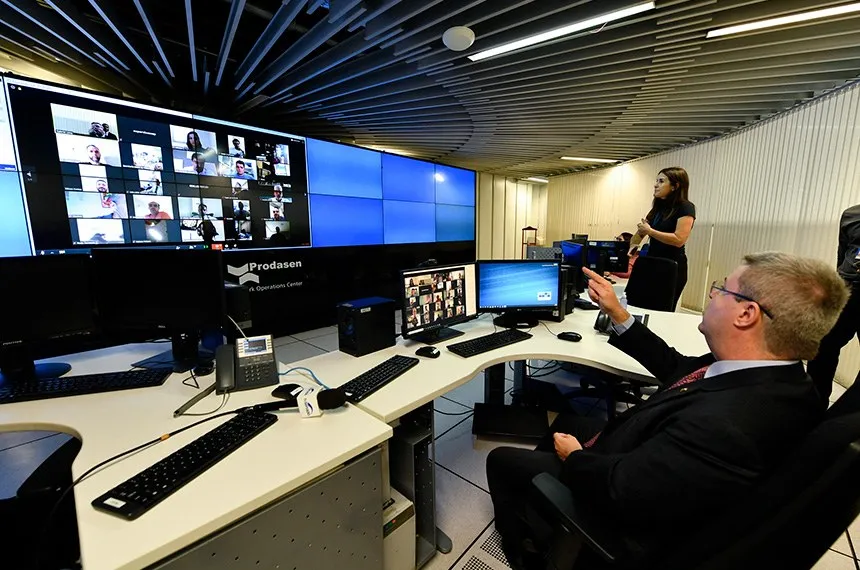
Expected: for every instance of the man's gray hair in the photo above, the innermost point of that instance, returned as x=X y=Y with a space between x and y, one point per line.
x=804 y=295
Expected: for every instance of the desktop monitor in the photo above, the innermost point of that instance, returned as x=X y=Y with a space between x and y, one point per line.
x=609 y=255
x=157 y=293
x=579 y=237
x=434 y=298
x=573 y=255
x=48 y=312
x=519 y=289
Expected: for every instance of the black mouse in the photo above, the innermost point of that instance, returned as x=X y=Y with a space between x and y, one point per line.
x=570 y=335
x=428 y=351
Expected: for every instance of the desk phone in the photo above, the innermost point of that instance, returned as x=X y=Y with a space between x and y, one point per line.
x=250 y=364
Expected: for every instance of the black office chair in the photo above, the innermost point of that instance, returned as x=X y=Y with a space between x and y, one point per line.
x=652 y=283
x=788 y=521
x=29 y=540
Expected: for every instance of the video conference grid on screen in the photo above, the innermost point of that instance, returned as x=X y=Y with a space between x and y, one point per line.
x=122 y=173
x=434 y=296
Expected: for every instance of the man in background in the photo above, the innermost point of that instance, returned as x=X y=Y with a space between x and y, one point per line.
x=823 y=367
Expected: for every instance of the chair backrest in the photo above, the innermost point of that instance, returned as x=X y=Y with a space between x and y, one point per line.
x=652 y=283
x=792 y=517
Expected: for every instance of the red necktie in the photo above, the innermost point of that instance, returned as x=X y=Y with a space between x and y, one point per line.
x=694 y=376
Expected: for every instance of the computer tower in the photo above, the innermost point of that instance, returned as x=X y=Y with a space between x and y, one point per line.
x=365 y=325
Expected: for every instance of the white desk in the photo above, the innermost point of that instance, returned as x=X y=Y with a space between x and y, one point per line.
x=434 y=377
x=280 y=460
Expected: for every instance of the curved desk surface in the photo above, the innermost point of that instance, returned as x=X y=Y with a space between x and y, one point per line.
x=280 y=460
x=289 y=454
x=432 y=378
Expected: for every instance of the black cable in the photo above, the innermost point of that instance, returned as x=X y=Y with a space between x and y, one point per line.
x=194 y=377
x=140 y=447
x=451 y=413
x=223 y=403
x=853 y=552
x=547 y=328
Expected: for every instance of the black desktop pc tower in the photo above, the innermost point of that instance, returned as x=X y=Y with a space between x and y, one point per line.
x=365 y=325
x=557 y=313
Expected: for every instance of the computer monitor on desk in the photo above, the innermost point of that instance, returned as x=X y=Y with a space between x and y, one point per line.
x=608 y=255
x=434 y=298
x=156 y=293
x=48 y=312
x=518 y=289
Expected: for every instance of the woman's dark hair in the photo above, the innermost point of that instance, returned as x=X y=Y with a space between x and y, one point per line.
x=196 y=145
x=680 y=181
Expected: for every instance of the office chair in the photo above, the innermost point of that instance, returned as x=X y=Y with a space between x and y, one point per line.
x=787 y=521
x=28 y=542
x=652 y=283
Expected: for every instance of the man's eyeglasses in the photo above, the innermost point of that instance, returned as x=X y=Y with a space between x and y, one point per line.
x=722 y=289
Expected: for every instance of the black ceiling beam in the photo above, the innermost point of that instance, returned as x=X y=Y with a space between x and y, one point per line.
x=153 y=36
x=313 y=39
x=396 y=16
x=85 y=26
x=276 y=27
x=111 y=17
x=374 y=8
x=236 y=9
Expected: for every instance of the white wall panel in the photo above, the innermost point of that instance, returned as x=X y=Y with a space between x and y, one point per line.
x=780 y=184
x=505 y=207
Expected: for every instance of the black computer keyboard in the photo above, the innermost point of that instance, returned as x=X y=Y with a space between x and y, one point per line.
x=14 y=391
x=133 y=497
x=369 y=382
x=488 y=342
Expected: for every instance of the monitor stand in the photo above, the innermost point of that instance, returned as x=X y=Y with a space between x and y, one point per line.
x=437 y=335
x=516 y=320
x=184 y=354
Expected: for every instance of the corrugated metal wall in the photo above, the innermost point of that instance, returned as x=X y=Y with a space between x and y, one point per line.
x=780 y=184
x=505 y=207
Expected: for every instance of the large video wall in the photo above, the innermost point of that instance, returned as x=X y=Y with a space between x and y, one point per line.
x=87 y=170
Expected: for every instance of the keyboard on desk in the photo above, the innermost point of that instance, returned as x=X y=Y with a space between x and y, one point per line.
x=21 y=391
x=369 y=382
x=488 y=342
x=135 y=496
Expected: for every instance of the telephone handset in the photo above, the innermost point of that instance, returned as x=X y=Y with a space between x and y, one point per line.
x=247 y=365
x=603 y=324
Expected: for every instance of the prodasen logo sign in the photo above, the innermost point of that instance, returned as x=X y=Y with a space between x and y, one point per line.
x=246 y=273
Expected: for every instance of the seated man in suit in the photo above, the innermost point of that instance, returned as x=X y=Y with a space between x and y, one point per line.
x=717 y=424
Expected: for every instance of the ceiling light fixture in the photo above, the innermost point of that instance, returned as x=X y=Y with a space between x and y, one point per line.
x=580 y=159
x=563 y=31
x=536 y=179
x=793 y=19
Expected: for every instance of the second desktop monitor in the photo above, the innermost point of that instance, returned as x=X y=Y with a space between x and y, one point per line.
x=435 y=298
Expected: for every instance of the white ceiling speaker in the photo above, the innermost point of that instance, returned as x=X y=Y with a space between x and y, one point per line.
x=458 y=38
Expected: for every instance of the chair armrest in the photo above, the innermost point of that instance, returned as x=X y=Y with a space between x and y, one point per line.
x=557 y=501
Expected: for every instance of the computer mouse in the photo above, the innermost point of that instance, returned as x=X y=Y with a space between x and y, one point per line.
x=287 y=391
x=570 y=335
x=428 y=351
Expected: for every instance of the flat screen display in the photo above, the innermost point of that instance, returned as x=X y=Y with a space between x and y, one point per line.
x=437 y=296
x=521 y=284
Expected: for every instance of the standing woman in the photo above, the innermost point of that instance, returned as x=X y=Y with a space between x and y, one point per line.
x=670 y=221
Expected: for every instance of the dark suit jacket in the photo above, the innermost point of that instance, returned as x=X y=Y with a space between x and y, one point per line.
x=667 y=465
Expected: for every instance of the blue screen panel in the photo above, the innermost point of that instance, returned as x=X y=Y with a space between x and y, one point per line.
x=14 y=237
x=337 y=221
x=455 y=186
x=409 y=222
x=516 y=284
x=340 y=170
x=407 y=179
x=455 y=223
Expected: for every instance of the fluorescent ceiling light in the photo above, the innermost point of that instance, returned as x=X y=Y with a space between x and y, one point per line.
x=536 y=179
x=814 y=15
x=580 y=159
x=564 y=31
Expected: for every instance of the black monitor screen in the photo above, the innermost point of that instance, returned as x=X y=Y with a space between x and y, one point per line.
x=521 y=284
x=159 y=289
x=47 y=299
x=607 y=255
x=572 y=253
x=438 y=296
